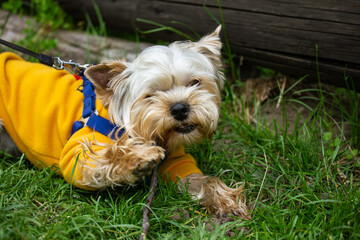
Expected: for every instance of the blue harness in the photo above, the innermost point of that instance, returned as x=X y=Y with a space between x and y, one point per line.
x=90 y=114
x=94 y=121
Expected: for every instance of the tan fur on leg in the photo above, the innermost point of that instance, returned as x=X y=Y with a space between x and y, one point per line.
x=216 y=196
x=125 y=162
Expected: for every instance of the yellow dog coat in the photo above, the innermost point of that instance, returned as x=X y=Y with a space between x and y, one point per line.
x=38 y=106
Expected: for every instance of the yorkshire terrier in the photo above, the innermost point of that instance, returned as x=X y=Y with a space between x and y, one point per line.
x=167 y=98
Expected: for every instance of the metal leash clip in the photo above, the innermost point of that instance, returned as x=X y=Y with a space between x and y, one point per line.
x=71 y=66
x=56 y=62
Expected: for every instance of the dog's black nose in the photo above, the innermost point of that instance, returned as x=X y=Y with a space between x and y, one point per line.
x=180 y=111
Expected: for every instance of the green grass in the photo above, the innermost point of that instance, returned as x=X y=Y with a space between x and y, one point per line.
x=295 y=181
x=302 y=184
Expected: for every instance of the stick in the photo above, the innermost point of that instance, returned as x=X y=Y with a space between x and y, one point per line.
x=146 y=209
x=282 y=92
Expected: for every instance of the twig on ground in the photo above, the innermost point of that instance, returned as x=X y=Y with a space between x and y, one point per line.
x=146 y=209
x=282 y=92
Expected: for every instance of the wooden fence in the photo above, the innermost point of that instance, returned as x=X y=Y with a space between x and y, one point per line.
x=285 y=35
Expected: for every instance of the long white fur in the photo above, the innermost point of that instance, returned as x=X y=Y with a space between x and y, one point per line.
x=157 y=67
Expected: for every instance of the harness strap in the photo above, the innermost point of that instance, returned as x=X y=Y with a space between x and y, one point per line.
x=104 y=126
x=94 y=121
x=89 y=97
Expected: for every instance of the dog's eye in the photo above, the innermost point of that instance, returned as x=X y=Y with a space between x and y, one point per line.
x=148 y=96
x=194 y=82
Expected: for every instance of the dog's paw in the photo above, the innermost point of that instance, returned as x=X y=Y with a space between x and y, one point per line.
x=222 y=200
x=146 y=160
x=219 y=199
x=144 y=168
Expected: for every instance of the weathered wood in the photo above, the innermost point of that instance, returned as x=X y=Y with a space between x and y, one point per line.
x=282 y=34
x=76 y=45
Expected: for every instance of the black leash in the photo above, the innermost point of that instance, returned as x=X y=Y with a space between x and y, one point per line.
x=55 y=62
x=44 y=59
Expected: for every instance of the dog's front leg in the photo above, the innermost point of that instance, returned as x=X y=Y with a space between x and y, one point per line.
x=215 y=195
x=101 y=165
x=138 y=160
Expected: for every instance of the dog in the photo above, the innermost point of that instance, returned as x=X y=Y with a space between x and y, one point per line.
x=167 y=98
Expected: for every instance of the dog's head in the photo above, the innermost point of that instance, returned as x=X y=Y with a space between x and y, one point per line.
x=168 y=94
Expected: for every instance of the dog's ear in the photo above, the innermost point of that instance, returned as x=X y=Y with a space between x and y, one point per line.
x=100 y=75
x=210 y=45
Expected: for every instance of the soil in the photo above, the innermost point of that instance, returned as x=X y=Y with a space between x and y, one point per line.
x=300 y=101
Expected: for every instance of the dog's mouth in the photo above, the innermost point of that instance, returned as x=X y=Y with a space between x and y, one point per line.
x=185 y=129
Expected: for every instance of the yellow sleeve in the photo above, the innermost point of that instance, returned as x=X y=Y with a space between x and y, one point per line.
x=178 y=165
x=73 y=159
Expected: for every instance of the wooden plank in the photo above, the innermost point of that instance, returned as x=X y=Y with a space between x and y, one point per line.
x=327 y=10
x=281 y=27
x=73 y=44
x=275 y=33
x=300 y=67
